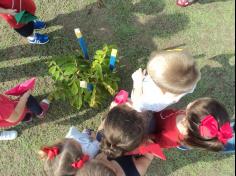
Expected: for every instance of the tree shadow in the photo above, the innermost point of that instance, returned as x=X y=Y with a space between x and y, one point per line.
x=32 y=69
x=217 y=81
x=210 y=1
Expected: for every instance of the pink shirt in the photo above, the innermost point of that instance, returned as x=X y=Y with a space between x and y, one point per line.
x=7 y=106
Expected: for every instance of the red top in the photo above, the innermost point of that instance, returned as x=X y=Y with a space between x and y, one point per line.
x=7 y=106
x=19 y=5
x=167 y=134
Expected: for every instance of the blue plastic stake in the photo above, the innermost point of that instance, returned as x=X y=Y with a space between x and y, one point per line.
x=90 y=87
x=85 y=85
x=112 y=62
x=82 y=43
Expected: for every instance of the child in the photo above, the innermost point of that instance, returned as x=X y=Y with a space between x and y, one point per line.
x=204 y=124
x=124 y=165
x=170 y=76
x=70 y=154
x=8 y=8
x=122 y=131
x=12 y=112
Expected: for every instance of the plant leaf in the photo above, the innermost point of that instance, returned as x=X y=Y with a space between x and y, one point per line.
x=74 y=89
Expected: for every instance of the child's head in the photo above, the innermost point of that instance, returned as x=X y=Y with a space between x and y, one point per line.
x=96 y=168
x=207 y=124
x=124 y=130
x=173 y=71
x=62 y=158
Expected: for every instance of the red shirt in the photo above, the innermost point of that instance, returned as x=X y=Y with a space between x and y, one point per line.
x=19 y=5
x=7 y=106
x=167 y=134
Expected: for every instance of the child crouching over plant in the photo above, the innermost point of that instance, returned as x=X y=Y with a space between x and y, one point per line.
x=69 y=155
x=12 y=112
x=122 y=131
x=204 y=124
x=170 y=76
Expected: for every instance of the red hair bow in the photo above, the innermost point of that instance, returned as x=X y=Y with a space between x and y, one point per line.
x=209 y=129
x=51 y=152
x=148 y=147
x=80 y=163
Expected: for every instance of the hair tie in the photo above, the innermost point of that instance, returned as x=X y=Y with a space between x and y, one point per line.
x=51 y=152
x=209 y=128
x=79 y=164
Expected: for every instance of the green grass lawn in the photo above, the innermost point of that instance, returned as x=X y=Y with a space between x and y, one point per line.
x=137 y=27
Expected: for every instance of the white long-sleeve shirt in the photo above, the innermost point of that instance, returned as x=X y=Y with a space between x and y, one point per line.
x=152 y=97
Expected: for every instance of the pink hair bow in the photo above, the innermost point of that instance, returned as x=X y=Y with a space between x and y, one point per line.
x=79 y=164
x=121 y=97
x=209 y=128
x=51 y=152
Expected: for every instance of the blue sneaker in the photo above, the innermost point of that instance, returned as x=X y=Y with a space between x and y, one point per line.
x=184 y=148
x=38 y=39
x=39 y=25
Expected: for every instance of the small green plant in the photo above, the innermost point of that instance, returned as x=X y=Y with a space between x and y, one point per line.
x=81 y=81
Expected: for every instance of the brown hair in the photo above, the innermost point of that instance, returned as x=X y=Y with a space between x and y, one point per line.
x=95 y=168
x=173 y=71
x=197 y=111
x=69 y=152
x=124 y=130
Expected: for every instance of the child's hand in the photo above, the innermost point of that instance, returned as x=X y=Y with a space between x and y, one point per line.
x=138 y=77
x=11 y=12
x=113 y=104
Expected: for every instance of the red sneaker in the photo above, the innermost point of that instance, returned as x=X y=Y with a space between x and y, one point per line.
x=45 y=106
x=183 y=3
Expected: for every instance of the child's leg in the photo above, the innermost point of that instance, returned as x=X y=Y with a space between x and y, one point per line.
x=27 y=118
x=33 y=105
x=28 y=32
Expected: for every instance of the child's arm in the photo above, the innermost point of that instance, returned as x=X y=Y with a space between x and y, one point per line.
x=137 y=91
x=101 y=126
x=20 y=107
x=137 y=77
x=143 y=163
x=8 y=11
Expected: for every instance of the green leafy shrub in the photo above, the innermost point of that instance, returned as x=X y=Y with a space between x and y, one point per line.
x=68 y=71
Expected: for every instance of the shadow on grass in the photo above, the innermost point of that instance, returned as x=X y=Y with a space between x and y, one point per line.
x=32 y=69
x=176 y=159
x=131 y=27
x=61 y=113
x=211 y=1
x=217 y=81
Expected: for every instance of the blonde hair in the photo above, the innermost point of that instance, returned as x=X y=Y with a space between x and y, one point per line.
x=173 y=71
x=69 y=151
